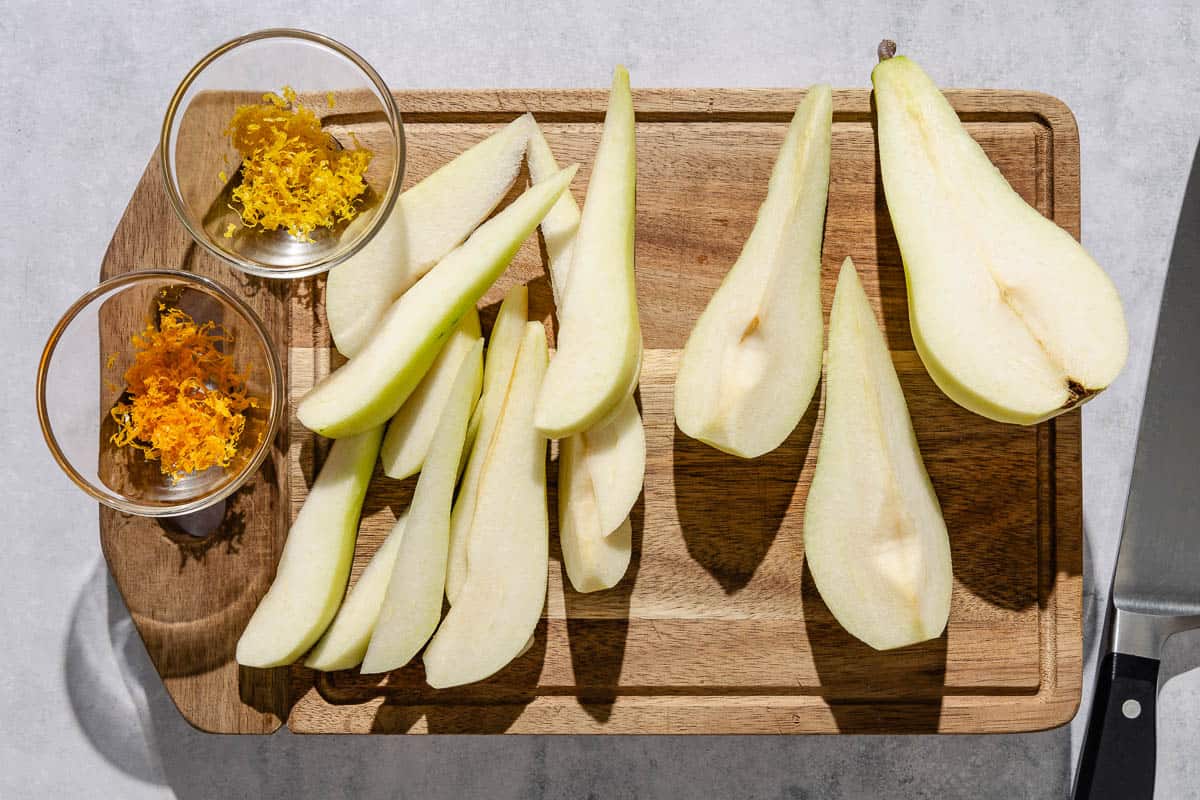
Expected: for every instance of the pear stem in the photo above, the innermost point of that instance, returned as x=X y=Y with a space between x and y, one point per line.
x=887 y=49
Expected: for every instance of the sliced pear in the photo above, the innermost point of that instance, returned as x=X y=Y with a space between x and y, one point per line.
x=428 y=221
x=874 y=536
x=373 y=385
x=507 y=333
x=599 y=341
x=411 y=429
x=413 y=604
x=505 y=591
x=561 y=222
x=469 y=443
x=752 y=363
x=1011 y=316
x=595 y=556
x=613 y=454
x=315 y=564
x=345 y=641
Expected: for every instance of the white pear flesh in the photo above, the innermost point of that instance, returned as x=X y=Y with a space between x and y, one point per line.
x=596 y=557
x=411 y=430
x=752 y=363
x=614 y=452
x=428 y=221
x=345 y=641
x=412 y=606
x=504 y=595
x=1011 y=316
x=315 y=564
x=561 y=222
x=507 y=333
x=374 y=384
x=600 y=340
x=874 y=536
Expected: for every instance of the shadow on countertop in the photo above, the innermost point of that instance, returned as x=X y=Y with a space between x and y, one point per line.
x=123 y=709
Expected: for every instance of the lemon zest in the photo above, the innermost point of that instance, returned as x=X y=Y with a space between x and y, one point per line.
x=293 y=174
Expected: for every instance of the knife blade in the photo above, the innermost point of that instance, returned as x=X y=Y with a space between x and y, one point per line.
x=1156 y=587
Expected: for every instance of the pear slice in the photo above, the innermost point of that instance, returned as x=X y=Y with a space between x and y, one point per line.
x=345 y=641
x=428 y=221
x=561 y=222
x=752 y=363
x=315 y=564
x=373 y=385
x=411 y=429
x=874 y=536
x=505 y=591
x=596 y=557
x=612 y=455
x=1011 y=316
x=412 y=606
x=507 y=333
x=599 y=341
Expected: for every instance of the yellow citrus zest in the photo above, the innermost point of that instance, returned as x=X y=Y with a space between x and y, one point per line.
x=294 y=176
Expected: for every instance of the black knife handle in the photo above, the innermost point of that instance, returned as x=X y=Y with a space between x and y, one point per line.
x=1118 y=755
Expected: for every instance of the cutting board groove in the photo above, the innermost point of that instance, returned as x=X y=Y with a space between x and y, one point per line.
x=717 y=628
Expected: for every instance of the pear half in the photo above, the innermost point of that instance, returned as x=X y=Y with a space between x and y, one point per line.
x=750 y=366
x=602 y=469
x=874 y=537
x=315 y=564
x=501 y=602
x=1012 y=318
x=428 y=221
x=411 y=430
x=412 y=606
x=372 y=386
x=345 y=641
x=599 y=341
x=507 y=333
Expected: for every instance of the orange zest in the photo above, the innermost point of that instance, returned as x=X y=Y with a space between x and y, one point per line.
x=294 y=176
x=187 y=401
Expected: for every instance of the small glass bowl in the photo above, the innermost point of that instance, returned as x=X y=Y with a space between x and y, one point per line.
x=81 y=377
x=195 y=152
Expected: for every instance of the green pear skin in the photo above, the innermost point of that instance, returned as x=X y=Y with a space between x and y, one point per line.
x=315 y=564
x=374 y=384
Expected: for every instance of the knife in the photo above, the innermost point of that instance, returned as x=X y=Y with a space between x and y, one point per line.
x=1156 y=588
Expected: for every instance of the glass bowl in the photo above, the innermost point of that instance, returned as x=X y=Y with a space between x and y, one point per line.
x=81 y=378
x=201 y=167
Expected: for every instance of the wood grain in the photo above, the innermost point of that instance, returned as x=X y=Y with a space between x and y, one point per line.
x=717 y=628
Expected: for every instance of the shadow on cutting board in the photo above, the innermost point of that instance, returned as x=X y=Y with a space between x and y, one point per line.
x=598 y=627
x=487 y=707
x=730 y=508
x=850 y=670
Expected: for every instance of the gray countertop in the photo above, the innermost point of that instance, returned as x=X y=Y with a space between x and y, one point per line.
x=85 y=88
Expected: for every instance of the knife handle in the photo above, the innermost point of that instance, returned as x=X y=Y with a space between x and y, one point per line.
x=1118 y=755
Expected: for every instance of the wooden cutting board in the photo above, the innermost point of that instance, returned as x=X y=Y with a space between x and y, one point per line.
x=717 y=627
